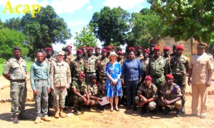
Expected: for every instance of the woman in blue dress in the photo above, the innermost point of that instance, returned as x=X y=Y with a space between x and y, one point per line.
x=113 y=81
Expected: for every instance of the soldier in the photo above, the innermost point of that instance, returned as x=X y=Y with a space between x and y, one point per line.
x=66 y=54
x=80 y=93
x=139 y=53
x=179 y=65
x=120 y=58
x=147 y=96
x=40 y=83
x=109 y=49
x=167 y=58
x=97 y=53
x=60 y=81
x=201 y=71
x=145 y=60
x=90 y=63
x=151 y=49
x=15 y=71
x=170 y=96
x=84 y=50
x=173 y=50
x=69 y=56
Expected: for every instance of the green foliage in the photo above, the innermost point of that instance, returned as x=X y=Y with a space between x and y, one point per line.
x=29 y=63
x=9 y=39
x=1 y=24
x=2 y=61
x=187 y=18
x=110 y=25
x=13 y=23
x=115 y=44
x=85 y=38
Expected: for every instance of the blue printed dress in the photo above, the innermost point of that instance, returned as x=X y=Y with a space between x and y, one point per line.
x=115 y=71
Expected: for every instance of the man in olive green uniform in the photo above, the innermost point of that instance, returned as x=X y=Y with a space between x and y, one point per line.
x=69 y=56
x=78 y=65
x=15 y=71
x=147 y=95
x=60 y=81
x=80 y=94
x=98 y=55
x=90 y=63
x=167 y=58
x=170 y=96
x=179 y=65
x=84 y=50
x=145 y=61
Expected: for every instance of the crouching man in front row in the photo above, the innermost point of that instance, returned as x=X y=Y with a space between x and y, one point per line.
x=171 y=96
x=147 y=96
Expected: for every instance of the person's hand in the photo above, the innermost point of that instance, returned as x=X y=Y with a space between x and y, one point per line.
x=123 y=82
x=99 y=99
x=114 y=82
x=168 y=92
x=145 y=100
x=189 y=81
x=107 y=98
x=208 y=83
x=49 y=90
x=167 y=102
x=35 y=92
x=52 y=87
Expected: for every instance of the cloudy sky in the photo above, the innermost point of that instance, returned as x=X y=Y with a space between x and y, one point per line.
x=76 y=13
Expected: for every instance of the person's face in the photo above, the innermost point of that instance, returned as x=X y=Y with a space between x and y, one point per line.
x=113 y=58
x=69 y=49
x=90 y=52
x=200 y=51
x=146 y=54
x=17 y=54
x=131 y=55
x=174 y=49
x=139 y=50
x=165 y=52
x=81 y=79
x=119 y=56
x=148 y=82
x=60 y=58
x=79 y=55
x=97 y=51
x=49 y=52
x=66 y=53
x=156 y=53
x=104 y=54
x=179 y=52
x=151 y=48
x=84 y=50
x=45 y=54
x=40 y=57
x=93 y=80
x=169 y=80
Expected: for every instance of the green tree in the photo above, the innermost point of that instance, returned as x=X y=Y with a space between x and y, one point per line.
x=44 y=30
x=9 y=39
x=13 y=23
x=110 y=25
x=85 y=37
x=1 y=24
x=187 y=18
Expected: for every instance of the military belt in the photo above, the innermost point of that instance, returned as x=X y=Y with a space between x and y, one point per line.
x=20 y=80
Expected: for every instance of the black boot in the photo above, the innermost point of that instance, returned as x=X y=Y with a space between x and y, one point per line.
x=183 y=107
x=143 y=110
x=178 y=112
x=166 y=110
x=15 y=119
x=75 y=111
x=23 y=117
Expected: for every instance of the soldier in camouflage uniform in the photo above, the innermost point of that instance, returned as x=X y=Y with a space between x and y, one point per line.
x=151 y=49
x=79 y=92
x=15 y=71
x=147 y=95
x=167 y=58
x=179 y=65
x=66 y=54
x=120 y=58
x=170 y=96
x=84 y=50
x=60 y=81
x=90 y=63
x=173 y=50
x=139 y=54
x=69 y=56
x=98 y=55
x=78 y=64
x=145 y=61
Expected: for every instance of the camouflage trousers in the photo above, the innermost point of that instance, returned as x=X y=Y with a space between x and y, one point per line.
x=87 y=77
x=181 y=81
x=149 y=106
x=77 y=101
x=177 y=104
x=18 y=93
x=41 y=99
x=59 y=95
x=95 y=102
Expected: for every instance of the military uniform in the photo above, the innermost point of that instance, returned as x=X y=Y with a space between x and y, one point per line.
x=90 y=69
x=94 y=90
x=17 y=71
x=50 y=60
x=69 y=59
x=76 y=67
x=145 y=63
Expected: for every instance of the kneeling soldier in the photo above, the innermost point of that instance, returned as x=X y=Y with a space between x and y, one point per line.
x=171 y=96
x=147 y=96
x=80 y=94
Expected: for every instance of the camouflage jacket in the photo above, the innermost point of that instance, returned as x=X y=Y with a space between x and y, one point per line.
x=90 y=63
x=69 y=59
x=145 y=63
x=92 y=89
x=80 y=87
x=148 y=92
x=101 y=66
x=170 y=92
x=77 y=66
x=179 y=65
x=156 y=67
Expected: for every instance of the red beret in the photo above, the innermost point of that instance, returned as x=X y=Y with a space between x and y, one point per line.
x=112 y=47
x=81 y=75
x=169 y=76
x=119 y=52
x=131 y=49
x=48 y=48
x=156 y=48
x=69 y=46
x=148 y=78
x=139 y=47
x=179 y=47
x=109 y=47
x=79 y=51
x=166 y=48
x=145 y=50
x=97 y=47
x=104 y=50
x=90 y=48
x=83 y=47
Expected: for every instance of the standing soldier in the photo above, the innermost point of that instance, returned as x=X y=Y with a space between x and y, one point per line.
x=201 y=71
x=145 y=61
x=151 y=49
x=77 y=65
x=173 y=50
x=120 y=58
x=179 y=65
x=167 y=58
x=40 y=83
x=139 y=53
x=66 y=54
x=90 y=63
x=15 y=71
x=98 y=55
x=69 y=56
x=60 y=81
x=84 y=50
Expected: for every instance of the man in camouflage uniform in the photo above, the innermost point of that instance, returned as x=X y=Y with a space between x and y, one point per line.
x=66 y=54
x=167 y=58
x=98 y=55
x=69 y=56
x=78 y=64
x=147 y=95
x=120 y=58
x=80 y=94
x=151 y=49
x=60 y=81
x=40 y=83
x=145 y=61
x=84 y=50
x=15 y=71
x=173 y=50
x=170 y=96
x=139 y=54
x=179 y=65
x=90 y=63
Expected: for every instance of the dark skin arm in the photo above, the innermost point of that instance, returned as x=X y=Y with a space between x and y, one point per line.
x=78 y=94
x=189 y=77
x=145 y=100
x=95 y=98
x=170 y=101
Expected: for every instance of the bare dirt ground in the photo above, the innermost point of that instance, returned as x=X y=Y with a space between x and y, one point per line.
x=105 y=119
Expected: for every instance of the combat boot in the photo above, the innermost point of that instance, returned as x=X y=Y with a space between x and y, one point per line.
x=38 y=120
x=15 y=119
x=61 y=113
x=75 y=111
x=56 y=115
x=178 y=112
x=183 y=107
x=46 y=118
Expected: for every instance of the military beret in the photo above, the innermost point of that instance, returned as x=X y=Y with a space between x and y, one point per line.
x=139 y=47
x=202 y=45
x=131 y=49
x=119 y=52
x=104 y=50
x=90 y=48
x=16 y=48
x=166 y=48
x=112 y=47
x=69 y=46
x=48 y=48
x=156 y=48
x=179 y=47
x=80 y=74
x=153 y=45
x=62 y=53
x=169 y=76
x=109 y=47
x=79 y=51
x=145 y=50
x=83 y=47
x=148 y=78
x=97 y=47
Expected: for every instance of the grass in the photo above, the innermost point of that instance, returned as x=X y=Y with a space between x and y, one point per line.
x=29 y=63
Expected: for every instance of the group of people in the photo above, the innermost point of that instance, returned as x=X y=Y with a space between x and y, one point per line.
x=144 y=78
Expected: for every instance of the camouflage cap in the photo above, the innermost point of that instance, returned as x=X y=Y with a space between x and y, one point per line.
x=62 y=53
x=202 y=45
